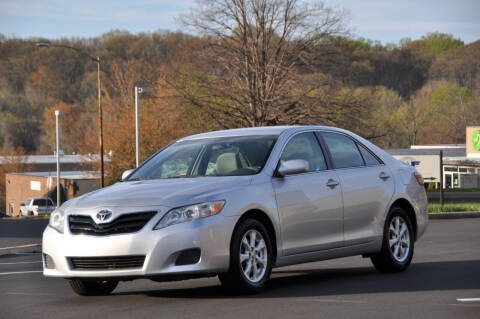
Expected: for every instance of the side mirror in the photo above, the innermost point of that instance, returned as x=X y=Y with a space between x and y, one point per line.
x=293 y=167
x=127 y=173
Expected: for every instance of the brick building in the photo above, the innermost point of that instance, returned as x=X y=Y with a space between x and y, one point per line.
x=44 y=166
x=21 y=186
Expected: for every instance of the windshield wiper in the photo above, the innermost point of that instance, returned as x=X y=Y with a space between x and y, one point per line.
x=133 y=179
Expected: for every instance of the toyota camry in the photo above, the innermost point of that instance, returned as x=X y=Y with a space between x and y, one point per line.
x=237 y=203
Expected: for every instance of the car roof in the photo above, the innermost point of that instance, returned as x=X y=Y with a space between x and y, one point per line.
x=263 y=130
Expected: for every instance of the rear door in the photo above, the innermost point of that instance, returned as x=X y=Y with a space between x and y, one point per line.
x=309 y=204
x=42 y=208
x=50 y=206
x=367 y=187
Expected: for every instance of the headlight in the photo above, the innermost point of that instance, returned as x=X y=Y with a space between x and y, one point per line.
x=188 y=213
x=57 y=219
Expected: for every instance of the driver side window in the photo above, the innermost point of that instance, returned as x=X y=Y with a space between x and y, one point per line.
x=304 y=146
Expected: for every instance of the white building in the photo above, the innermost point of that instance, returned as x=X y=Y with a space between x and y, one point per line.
x=461 y=162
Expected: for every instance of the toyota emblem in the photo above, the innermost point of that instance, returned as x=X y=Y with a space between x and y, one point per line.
x=104 y=215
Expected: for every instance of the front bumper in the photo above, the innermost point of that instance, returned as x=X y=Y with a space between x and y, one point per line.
x=160 y=247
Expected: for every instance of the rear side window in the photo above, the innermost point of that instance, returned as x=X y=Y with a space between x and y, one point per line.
x=344 y=150
x=367 y=156
x=305 y=146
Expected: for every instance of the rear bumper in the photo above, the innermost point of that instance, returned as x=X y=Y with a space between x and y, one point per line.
x=421 y=209
x=160 y=248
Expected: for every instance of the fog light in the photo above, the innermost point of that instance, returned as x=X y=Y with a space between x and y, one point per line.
x=48 y=262
x=188 y=257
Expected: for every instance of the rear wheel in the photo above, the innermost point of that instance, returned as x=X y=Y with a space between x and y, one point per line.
x=250 y=259
x=398 y=243
x=92 y=288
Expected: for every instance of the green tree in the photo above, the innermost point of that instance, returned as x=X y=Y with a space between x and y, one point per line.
x=436 y=42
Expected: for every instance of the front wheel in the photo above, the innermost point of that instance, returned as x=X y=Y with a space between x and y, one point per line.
x=92 y=288
x=398 y=243
x=250 y=258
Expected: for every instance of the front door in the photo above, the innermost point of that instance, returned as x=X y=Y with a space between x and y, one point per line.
x=309 y=204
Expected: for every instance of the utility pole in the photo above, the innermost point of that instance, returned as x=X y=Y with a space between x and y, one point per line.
x=138 y=90
x=441 y=177
x=57 y=124
x=100 y=112
x=100 y=122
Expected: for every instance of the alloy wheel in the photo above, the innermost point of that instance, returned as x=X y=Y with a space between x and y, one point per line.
x=399 y=239
x=253 y=256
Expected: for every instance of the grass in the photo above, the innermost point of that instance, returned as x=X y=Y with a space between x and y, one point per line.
x=456 y=190
x=46 y=216
x=462 y=207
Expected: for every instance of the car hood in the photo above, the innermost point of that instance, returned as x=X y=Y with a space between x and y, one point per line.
x=161 y=192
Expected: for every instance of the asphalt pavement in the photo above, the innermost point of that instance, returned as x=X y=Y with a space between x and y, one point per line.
x=441 y=282
x=16 y=232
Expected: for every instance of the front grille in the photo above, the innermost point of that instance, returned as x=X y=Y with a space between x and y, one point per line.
x=106 y=263
x=127 y=223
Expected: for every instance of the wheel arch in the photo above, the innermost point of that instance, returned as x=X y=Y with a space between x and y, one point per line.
x=263 y=218
x=408 y=207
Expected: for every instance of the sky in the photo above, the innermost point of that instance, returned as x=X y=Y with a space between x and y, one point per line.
x=383 y=20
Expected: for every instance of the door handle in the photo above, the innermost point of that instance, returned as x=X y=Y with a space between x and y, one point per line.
x=332 y=183
x=384 y=175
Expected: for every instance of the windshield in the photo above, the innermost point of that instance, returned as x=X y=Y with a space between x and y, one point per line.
x=225 y=156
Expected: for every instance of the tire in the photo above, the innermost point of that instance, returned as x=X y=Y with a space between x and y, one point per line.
x=398 y=256
x=92 y=288
x=240 y=278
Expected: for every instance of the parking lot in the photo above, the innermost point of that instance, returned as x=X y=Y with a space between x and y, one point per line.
x=440 y=283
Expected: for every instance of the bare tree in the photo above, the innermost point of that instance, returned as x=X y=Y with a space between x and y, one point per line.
x=257 y=50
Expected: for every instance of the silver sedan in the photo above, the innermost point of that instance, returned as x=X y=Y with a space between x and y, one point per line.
x=237 y=203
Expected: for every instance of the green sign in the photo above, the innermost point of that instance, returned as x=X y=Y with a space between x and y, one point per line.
x=476 y=140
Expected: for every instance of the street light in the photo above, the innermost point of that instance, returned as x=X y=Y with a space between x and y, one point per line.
x=138 y=90
x=57 y=125
x=100 y=113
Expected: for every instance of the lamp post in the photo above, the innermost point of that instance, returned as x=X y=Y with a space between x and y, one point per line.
x=57 y=125
x=138 y=90
x=100 y=112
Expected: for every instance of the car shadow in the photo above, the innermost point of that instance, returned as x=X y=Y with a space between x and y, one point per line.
x=425 y=276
